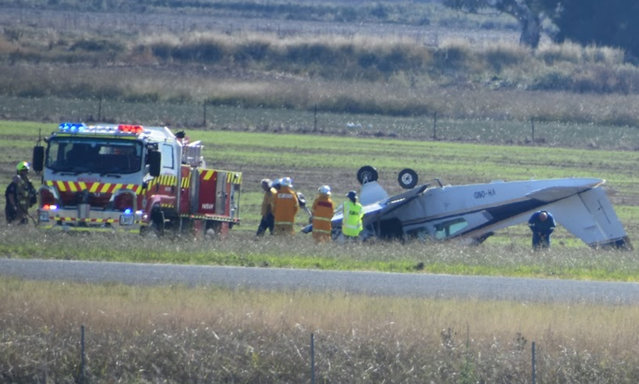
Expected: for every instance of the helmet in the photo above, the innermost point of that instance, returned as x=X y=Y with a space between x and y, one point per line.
x=23 y=166
x=324 y=190
x=287 y=182
x=266 y=184
x=352 y=195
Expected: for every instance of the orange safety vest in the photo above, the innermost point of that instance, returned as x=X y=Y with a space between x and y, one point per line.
x=285 y=206
x=322 y=211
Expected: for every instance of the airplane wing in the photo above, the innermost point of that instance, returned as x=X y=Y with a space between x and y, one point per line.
x=559 y=192
x=373 y=210
x=590 y=216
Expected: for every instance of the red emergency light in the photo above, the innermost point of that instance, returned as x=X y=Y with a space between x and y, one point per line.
x=129 y=128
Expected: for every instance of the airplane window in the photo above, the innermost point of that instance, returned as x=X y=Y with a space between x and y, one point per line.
x=449 y=228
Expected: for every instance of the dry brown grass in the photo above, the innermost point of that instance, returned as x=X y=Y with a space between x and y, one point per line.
x=176 y=334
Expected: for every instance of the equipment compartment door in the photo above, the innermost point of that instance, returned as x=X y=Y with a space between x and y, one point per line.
x=207 y=198
x=221 y=202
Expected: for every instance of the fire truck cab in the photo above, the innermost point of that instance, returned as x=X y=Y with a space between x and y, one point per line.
x=131 y=178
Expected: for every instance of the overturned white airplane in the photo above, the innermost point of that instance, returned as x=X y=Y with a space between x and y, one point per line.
x=474 y=212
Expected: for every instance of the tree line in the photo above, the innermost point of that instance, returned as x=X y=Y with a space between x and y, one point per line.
x=610 y=23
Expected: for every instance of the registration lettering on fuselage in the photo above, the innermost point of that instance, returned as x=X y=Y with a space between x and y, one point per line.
x=484 y=193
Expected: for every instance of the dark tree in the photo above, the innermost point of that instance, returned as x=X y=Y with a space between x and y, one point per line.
x=610 y=23
x=601 y=22
x=527 y=12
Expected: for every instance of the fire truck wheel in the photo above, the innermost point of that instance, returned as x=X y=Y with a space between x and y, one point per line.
x=212 y=228
x=157 y=221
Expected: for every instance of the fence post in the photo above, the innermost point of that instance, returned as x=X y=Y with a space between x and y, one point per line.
x=100 y=109
x=435 y=126
x=204 y=113
x=82 y=356
x=315 y=118
x=534 y=378
x=532 y=127
x=312 y=358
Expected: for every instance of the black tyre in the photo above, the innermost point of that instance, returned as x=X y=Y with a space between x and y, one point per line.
x=157 y=221
x=367 y=174
x=407 y=178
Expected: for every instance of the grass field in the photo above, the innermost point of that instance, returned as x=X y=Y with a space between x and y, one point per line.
x=315 y=90
x=313 y=160
x=178 y=335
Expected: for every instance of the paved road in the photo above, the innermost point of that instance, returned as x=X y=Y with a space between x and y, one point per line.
x=369 y=283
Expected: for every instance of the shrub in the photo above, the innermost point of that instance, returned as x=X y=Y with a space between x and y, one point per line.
x=500 y=56
x=98 y=45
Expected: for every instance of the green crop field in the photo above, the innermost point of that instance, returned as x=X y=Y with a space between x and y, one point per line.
x=313 y=160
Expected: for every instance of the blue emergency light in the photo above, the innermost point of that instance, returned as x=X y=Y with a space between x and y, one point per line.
x=72 y=127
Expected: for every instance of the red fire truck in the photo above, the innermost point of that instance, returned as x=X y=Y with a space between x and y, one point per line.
x=132 y=178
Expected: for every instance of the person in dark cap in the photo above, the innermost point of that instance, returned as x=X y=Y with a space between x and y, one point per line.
x=268 y=220
x=353 y=214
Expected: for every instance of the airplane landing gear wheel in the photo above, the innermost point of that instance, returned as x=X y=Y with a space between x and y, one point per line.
x=366 y=174
x=407 y=178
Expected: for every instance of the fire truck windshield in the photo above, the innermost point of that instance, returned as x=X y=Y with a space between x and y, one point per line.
x=94 y=155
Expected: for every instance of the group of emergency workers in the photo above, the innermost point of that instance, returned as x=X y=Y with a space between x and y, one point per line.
x=281 y=203
x=279 y=207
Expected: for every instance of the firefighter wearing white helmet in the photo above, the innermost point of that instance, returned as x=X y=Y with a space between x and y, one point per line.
x=285 y=206
x=322 y=212
x=19 y=196
x=353 y=215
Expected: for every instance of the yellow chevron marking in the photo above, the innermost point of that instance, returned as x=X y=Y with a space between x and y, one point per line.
x=82 y=185
x=208 y=173
x=61 y=186
x=105 y=187
x=234 y=178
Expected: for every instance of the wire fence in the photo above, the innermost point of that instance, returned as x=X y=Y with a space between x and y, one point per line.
x=223 y=117
x=84 y=377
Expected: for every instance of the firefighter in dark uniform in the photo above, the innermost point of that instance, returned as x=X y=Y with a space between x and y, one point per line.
x=268 y=221
x=19 y=196
x=542 y=224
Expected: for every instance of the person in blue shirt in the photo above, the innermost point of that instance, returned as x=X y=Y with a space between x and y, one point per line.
x=542 y=224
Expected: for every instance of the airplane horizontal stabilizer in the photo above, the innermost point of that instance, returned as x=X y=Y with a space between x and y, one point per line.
x=590 y=216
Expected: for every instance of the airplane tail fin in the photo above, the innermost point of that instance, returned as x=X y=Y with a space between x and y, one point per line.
x=590 y=216
x=371 y=192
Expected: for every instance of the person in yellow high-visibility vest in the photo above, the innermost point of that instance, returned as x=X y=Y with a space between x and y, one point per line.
x=353 y=214
x=322 y=212
x=285 y=206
